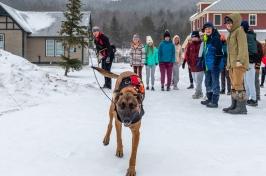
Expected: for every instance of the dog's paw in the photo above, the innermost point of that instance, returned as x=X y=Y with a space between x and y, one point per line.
x=131 y=172
x=106 y=141
x=119 y=153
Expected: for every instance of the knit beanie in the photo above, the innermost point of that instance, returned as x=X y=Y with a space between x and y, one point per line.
x=166 y=34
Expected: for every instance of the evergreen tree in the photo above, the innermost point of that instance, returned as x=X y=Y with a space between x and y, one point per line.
x=73 y=35
x=147 y=27
x=115 y=32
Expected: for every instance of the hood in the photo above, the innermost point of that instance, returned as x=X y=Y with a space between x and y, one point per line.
x=236 y=18
x=175 y=37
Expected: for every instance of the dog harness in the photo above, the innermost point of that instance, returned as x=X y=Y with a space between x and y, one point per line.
x=138 y=85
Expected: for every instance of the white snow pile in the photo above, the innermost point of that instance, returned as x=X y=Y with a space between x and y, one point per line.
x=25 y=84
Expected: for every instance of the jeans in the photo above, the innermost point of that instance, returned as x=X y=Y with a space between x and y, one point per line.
x=150 y=73
x=249 y=81
x=190 y=76
x=198 y=79
x=176 y=74
x=166 y=69
x=212 y=81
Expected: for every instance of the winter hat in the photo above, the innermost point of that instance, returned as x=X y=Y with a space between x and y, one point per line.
x=149 y=39
x=166 y=34
x=245 y=25
x=207 y=25
x=228 y=20
x=136 y=36
x=195 y=34
x=95 y=29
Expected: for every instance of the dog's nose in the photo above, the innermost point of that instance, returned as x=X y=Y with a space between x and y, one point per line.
x=126 y=121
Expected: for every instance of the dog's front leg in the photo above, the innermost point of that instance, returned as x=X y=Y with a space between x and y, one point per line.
x=119 y=149
x=135 y=142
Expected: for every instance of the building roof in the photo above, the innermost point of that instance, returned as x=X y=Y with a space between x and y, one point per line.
x=206 y=1
x=41 y=23
x=237 y=5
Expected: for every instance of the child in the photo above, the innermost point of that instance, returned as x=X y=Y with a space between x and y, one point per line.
x=151 y=61
x=178 y=61
x=137 y=53
x=166 y=59
x=192 y=56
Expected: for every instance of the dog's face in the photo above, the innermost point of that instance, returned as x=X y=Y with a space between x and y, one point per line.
x=128 y=107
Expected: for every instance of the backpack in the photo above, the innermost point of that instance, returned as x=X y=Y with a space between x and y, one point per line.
x=252 y=47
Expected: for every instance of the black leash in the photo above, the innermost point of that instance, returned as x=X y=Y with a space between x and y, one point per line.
x=97 y=81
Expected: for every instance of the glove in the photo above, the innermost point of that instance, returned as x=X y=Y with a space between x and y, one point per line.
x=108 y=60
x=146 y=64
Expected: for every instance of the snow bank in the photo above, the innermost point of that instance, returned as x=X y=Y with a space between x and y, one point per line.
x=25 y=84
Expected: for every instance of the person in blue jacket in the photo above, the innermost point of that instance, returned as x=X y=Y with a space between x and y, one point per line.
x=212 y=57
x=166 y=56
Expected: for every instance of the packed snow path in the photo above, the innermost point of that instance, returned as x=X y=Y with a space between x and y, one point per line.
x=62 y=136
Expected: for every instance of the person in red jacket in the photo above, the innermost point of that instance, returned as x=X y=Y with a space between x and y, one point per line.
x=192 y=58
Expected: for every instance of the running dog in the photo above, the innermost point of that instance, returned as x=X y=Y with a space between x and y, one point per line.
x=126 y=108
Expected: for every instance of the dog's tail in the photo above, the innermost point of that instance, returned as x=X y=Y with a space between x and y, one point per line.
x=105 y=73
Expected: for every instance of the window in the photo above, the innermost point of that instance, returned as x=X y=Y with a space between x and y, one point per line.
x=253 y=19
x=50 y=48
x=2 y=41
x=217 y=19
x=59 y=48
x=54 y=48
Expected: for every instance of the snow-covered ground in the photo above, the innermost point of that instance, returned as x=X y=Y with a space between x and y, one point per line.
x=58 y=129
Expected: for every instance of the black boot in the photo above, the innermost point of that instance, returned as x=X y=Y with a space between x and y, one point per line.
x=222 y=91
x=162 y=88
x=209 y=96
x=191 y=86
x=233 y=105
x=240 y=104
x=214 y=101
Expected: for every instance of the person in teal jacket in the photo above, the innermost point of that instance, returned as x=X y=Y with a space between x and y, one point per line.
x=166 y=59
x=151 y=62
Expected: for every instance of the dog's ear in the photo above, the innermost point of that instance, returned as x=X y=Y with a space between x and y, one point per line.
x=139 y=97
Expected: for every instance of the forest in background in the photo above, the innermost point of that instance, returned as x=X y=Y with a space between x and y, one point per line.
x=120 y=20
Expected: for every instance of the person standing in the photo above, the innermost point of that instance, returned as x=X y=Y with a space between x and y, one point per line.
x=167 y=58
x=192 y=57
x=191 y=86
x=237 y=63
x=178 y=61
x=212 y=56
x=249 y=79
x=225 y=79
x=257 y=68
x=103 y=51
x=137 y=53
x=263 y=68
x=151 y=62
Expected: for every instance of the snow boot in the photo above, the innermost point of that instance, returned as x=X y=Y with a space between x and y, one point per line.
x=191 y=86
x=168 y=88
x=252 y=103
x=197 y=95
x=209 y=99
x=214 y=101
x=147 y=88
x=222 y=91
x=162 y=88
x=233 y=105
x=152 y=88
x=240 y=104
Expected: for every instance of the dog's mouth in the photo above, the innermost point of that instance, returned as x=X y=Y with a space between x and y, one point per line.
x=127 y=122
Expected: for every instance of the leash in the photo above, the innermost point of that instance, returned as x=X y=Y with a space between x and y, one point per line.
x=97 y=80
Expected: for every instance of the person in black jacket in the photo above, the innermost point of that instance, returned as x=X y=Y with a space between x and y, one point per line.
x=104 y=53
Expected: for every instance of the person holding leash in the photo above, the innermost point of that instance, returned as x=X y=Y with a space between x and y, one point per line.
x=103 y=51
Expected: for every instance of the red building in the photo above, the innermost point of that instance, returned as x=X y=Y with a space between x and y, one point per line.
x=214 y=11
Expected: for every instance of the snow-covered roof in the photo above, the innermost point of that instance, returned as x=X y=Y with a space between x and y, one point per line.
x=237 y=5
x=41 y=23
